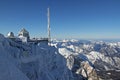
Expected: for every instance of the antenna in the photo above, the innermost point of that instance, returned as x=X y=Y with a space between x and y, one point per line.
x=49 y=38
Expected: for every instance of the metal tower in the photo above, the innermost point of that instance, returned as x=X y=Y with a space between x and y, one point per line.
x=49 y=38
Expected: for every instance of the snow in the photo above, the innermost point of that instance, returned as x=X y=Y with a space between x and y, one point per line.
x=93 y=56
x=31 y=62
x=63 y=60
x=103 y=55
x=8 y=71
x=65 y=52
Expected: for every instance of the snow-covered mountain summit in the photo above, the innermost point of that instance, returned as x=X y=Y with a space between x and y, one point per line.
x=29 y=61
x=63 y=60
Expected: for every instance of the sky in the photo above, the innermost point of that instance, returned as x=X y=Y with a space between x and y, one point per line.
x=79 y=19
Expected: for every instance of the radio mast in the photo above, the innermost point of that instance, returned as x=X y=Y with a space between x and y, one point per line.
x=49 y=38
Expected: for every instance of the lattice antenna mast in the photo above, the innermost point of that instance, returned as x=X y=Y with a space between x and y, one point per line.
x=49 y=37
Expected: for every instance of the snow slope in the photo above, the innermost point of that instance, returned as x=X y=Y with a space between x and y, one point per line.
x=63 y=60
x=31 y=61
x=8 y=70
x=21 y=61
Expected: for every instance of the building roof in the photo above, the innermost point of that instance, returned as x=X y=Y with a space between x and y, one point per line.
x=23 y=31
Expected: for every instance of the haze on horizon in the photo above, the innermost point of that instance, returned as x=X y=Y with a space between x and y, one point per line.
x=81 y=19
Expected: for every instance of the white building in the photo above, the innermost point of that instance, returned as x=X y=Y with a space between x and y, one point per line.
x=24 y=35
x=10 y=35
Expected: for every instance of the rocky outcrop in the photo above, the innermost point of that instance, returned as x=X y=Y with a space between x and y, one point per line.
x=81 y=68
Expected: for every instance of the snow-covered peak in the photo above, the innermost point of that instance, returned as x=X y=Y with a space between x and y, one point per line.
x=63 y=60
x=30 y=61
x=107 y=53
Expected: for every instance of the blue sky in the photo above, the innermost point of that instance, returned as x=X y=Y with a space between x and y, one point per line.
x=82 y=19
